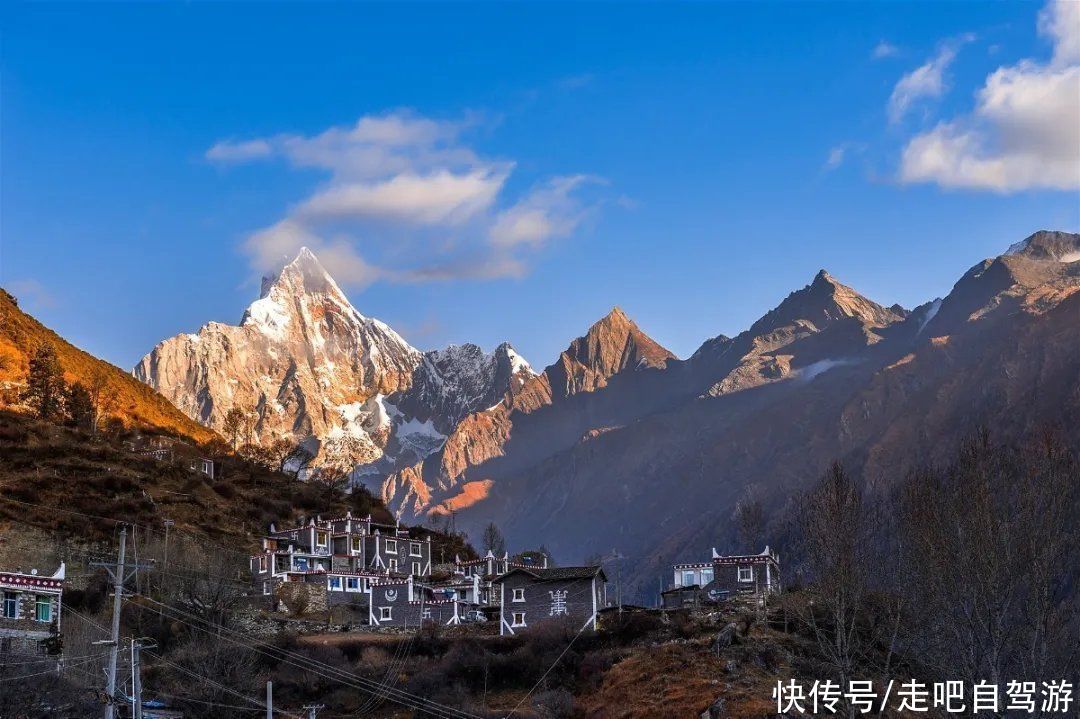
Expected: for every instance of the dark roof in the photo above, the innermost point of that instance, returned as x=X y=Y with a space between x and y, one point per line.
x=682 y=588
x=557 y=573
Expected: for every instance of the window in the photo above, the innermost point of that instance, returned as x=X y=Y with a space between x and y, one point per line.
x=519 y=619
x=266 y=588
x=391 y=546
x=11 y=605
x=384 y=614
x=688 y=578
x=300 y=563
x=334 y=583
x=416 y=569
x=43 y=608
x=262 y=563
x=414 y=549
x=706 y=576
x=392 y=566
x=356 y=544
x=321 y=538
x=519 y=595
x=746 y=574
x=352 y=584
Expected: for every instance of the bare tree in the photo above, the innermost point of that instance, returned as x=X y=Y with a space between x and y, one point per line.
x=103 y=397
x=992 y=551
x=236 y=426
x=835 y=531
x=492 y=540
x=750 y=521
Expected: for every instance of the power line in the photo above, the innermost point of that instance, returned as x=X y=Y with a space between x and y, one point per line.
x=313 y=666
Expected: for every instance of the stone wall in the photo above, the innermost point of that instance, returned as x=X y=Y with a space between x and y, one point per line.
x=299 y=598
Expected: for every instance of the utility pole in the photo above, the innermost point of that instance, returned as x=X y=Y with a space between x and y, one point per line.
x=136 y=680
x=313 y=709
x=119 y=575
x=114 y=635
x=165 y=561
x=269 y=699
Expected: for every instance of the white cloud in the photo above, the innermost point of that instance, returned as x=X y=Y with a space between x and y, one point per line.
x=405 y=191
x=926 y=81
x=441 y=197
x=229 y=151
x=547 y=212
x=1024 y=132
x=835 y=158
x=884 y=49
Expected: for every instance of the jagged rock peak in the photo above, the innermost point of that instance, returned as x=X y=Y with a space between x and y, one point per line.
x=823 y=301
x=612 y=344
x=1048 y=245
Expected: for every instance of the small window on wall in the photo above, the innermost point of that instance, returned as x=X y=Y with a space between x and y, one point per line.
x=384 y=614
x=392 y=566
x=519 y=595
x=356 y=544
x=391 y=546
x=43 y=608
x=706 y=576
x=688 y=579
x=352 y=584
x=746 y=574
x=414 y=549
x=334 y=584
x=519 y=619
x=266 y=588
x=416 y=569
x=11 y=605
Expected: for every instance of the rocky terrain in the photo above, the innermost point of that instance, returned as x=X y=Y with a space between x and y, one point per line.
x=620 y=443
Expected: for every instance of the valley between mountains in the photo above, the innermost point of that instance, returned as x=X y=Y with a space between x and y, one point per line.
x=619 y=444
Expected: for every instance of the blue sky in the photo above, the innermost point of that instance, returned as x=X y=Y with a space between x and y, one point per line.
x=489 y=172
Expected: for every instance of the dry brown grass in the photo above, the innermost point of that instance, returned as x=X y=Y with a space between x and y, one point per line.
x=137 y=404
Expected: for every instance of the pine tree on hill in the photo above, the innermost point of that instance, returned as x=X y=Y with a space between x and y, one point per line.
x=45 y=388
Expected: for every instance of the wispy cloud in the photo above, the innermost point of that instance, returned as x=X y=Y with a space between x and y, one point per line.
x=407 y=200
x=884 y=49
x=1024 y=132
x=32 y=292
x=926 y=81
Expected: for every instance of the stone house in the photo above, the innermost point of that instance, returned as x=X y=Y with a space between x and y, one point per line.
x=474 y=579
x=410 y=604
x=346 y=552
x=725 y=577
x=30 y=610
x=531 y=596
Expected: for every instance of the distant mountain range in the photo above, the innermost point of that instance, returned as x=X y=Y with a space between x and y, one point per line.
x=619 y=443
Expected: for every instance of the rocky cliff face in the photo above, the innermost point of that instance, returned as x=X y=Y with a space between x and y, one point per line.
x=304 y=363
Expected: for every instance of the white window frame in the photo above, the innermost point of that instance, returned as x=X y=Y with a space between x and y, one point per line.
x=390 y=546
x=519 y=595
x=331 y=581
x=416 y=569
x=262 y=563
x=750 y=574
x=706 y=576
x=37 y=606
x=266 y=589
x=391 y=565
x=415 y=549
x=352 y=584
x=325 y=536
x=514 y=622
x=357 y=545
x=13 y=598
x=386 y=614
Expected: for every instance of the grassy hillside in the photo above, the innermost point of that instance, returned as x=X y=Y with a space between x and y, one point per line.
x=137 y=404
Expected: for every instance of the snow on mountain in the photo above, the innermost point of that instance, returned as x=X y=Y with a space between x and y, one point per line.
x=303 y=362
